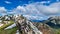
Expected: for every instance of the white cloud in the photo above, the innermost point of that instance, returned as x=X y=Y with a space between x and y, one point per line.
x=43 y=2
x=33 y=17
x=7 y=2
x=38 y=9
x=3 y=11
x=19 y=10
x=53 y=9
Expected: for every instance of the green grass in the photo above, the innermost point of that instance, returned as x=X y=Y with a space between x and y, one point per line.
x=56 y=31
x=9 y=31
x=6 y=25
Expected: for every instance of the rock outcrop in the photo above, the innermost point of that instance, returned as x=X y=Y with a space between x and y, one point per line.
x=25 y=26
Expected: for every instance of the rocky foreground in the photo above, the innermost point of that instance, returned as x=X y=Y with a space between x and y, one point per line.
x=21 y=25
x=48 y=26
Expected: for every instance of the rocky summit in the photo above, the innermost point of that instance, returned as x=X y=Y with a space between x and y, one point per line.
x=19 y=24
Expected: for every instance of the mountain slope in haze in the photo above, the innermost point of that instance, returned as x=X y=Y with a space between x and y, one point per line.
x=50 y=26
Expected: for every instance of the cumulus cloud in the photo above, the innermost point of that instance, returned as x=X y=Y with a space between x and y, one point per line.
x=33 y=17
x=7 y=2
x=38 y=9
x=3 y=10
x=19 y=10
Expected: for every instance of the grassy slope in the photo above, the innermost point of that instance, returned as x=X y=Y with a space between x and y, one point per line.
x=9 y=31
x=6 y=25
x=57 y=31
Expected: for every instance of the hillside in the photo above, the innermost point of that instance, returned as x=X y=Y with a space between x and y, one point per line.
x=25 y=26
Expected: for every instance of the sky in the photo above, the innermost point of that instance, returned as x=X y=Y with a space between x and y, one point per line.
x=32 y=9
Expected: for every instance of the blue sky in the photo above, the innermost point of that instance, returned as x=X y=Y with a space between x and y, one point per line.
x=33 y=9
x=10 y=4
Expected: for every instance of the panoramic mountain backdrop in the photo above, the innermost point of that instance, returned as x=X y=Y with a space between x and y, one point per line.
x=29 y=16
